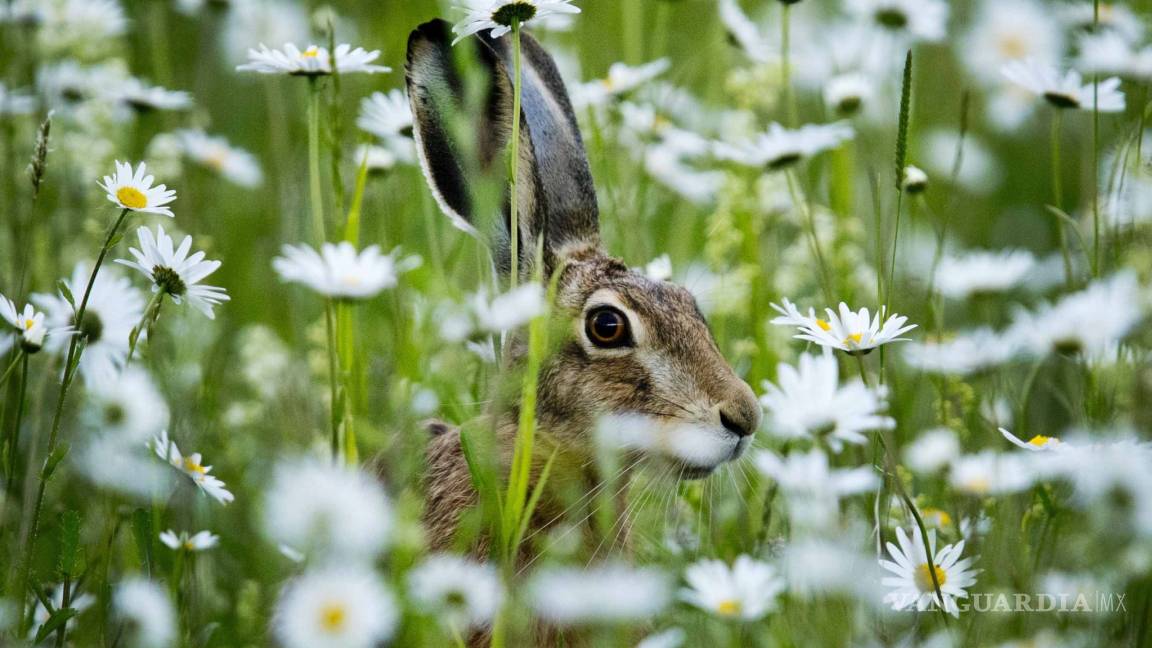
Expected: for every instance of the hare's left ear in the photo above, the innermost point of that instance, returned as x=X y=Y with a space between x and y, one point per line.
x=556 y=198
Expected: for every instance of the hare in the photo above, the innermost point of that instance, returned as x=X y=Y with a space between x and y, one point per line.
x=635 y=347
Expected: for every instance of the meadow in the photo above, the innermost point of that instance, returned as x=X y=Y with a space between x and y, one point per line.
x=247 y=281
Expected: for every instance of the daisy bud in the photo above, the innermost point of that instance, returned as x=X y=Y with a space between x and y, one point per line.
x=915 y=180
x=846 y=94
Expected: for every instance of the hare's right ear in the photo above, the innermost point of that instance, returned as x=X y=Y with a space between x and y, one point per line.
x=435 y=93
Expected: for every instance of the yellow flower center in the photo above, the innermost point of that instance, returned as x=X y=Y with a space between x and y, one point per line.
x=853 y=338
x=131 y=197
x=28 y=324
x=923 y=577
x=192 y=466
x=1040 y=440
x=941 y=517
x=311 y=52
x=332 y=618
x=188 y=545
x=728 y=607
x=823 y=325
x=1012 y=46
x=978 y=485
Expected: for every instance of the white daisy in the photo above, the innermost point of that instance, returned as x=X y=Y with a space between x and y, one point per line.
x=509 y=310
x=1110 y=53
x=851 y=332
x=991 y=473
x=460 y=592
x=498 y=15
x=192 y=466
x=847 y=94
x=981 y=272
x=1089 y=322
x=114 y=309
x=312 y=61
x=128 y=407
x=932 y=451
x=746 y=591
x=377 y=159
x=134 y=190
x=262 y=21
x=670 y=638
x=1064 y=90
x=917 y=19
x=27 y=326
x=916 y=577
x=1009 y=30
x=622 y=79
x=781 y=147
x=327 y=511
x=1037 y=443
x=809 y=400
x=339 y=271
x=233 y=164
x=812 y=489
x=1114 y=17
x=173 y=272
x=963 y=354
x=339 y=607
x=148 y=617
x=816 y=566
x=386 y=115
x=978 y=171
x=745 y=33
x=200 y=541
x=14 y=102
x=605 y=593
x=143 y=97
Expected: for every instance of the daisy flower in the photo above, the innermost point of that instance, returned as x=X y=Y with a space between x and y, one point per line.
x=339 y=271
x=1064 y=90
x=605 y=593
x=925 y=20
x=1114 y=17
x=462 y=593
x=498 y=15
x=233 y=164
x=1037 y=443
x=914 y=180
x=134 y=190
x=200 y=541
x=192 y=466
x=851 y=332
x=847 y=94
x=964 y=354
x=28 y=326
x=745 y=33
x=812 y=489
x=982 y=272
x=337 y=607
x=1091 y=321
x=173 y=272
x=1109 y=53
x=312 y=61
x=915 y=577
x=746 y=591
x=114 y=309
x=810 y=401
x=781 y=147
x=932 y=451
x=1009 y=30
x=333 y=511
x=991 y=473
x=509 y=310
x=143 y=97
x=148 y=617
x=127 y=407
x=386 y=115
x=621 y=80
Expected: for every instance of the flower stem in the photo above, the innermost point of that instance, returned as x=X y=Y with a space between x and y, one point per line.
x=336 y=415
x=810 y=218
x=11 y=368
x=346 y=349
x=314 y=161
x=514 y=160
x=70 y=364
x=1058 y=195
x=151 y=313
x=14 y=437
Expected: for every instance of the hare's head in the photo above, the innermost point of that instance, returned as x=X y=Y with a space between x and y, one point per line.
x=639 y=354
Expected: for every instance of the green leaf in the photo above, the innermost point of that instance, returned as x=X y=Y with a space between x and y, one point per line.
x=54 y=460
x=54 y=623
x=71 y=561
x=902 y=132
x=66 y=293
x=142 y=532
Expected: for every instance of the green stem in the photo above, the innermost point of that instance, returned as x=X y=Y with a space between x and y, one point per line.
x=151 y=312
x=335 y=417
x=346 y=346
x=1058 y=195
x=69 y=374
x=514 y=220
x=11 y=367
x=810 y=218
x=316 y=193
x=892 y=262
x=14 y=437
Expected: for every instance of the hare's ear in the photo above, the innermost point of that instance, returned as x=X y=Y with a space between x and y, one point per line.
x=556 y=198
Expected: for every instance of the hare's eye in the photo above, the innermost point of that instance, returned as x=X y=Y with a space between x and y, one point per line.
x=607 y=328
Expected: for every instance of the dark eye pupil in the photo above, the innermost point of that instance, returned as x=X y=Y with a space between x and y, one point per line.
x=608 y=328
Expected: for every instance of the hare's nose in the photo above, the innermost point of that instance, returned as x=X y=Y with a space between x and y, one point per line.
x=739 y=419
